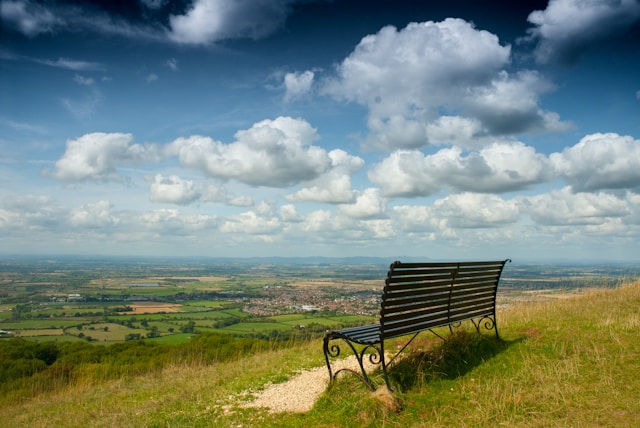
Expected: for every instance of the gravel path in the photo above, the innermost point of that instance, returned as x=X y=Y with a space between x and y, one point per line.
x=298 y=394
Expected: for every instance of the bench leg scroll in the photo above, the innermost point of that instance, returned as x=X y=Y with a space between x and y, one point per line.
x=370 y=351
x=488 y=322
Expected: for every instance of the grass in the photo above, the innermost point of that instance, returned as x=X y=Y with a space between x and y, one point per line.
x=572 y=362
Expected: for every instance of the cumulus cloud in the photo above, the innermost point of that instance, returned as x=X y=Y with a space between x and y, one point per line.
x=334 y=186
x=173 y=189
x=600 y=161
x=566 y=28
x=272 y=153
x=500 y=167
x=473 y=210
x=170 y=222
x=456 y=131
x=415 y=218
x=510 y=105
x=95 y=157
x=297 y=85
x=176 y=190
x=369 y=204
x=252 y=223
x=209 y=21
x=407 y=78
x=460 y=211
x=93 y=216
x=563 y=208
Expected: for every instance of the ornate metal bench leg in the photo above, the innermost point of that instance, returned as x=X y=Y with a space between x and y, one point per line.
x=333 y=351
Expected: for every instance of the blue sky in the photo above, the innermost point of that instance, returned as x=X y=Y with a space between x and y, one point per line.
x=440 y=129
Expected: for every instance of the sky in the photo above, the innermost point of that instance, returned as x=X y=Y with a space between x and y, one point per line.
x=457 y=129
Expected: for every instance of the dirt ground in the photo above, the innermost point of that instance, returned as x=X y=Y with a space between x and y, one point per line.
x=153 y=307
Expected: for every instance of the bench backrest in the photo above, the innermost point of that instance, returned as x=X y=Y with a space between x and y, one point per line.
x=422 y=296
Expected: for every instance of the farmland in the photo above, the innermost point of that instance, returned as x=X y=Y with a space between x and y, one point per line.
x=111 y=300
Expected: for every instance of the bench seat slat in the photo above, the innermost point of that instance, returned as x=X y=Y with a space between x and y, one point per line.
x=364 y=334
x=413 y=328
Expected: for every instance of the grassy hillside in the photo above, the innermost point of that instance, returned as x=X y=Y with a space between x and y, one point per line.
x=570 y=362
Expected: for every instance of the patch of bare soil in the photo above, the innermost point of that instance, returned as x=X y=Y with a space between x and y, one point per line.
x=153 y=308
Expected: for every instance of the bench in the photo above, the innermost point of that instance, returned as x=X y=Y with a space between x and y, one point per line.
x=418 y=297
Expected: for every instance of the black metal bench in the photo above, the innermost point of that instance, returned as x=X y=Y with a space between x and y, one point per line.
x=418 y=297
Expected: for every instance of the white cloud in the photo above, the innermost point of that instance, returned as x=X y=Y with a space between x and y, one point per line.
x=81 y=80
x=33 y=213
x=506 y=166
x=240 y=201
x=93 y=216
x=70 y=64
x=318 y=221
x=416 y=218
x=32 y=19
x=448 y=215
x=289 y=213
x=95 y=157
x=393 y=71
x=406 y=173
x=472 y=210
x=85 y=107
x=600 y=161
x=562 y=208
x=174 y=190
x=500 y=167
x=28 y=17
x=272 y=153
x=297 y=85
x=369 y=204
x=566 y=28
x=407 y=78
x=509 y=105
x=163 y=222
x=456 y=131
x=212 y=20
x=335 y=185
x=172 y=63
x=252 y=223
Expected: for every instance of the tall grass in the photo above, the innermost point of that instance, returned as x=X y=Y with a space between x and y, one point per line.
x=573 y=362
